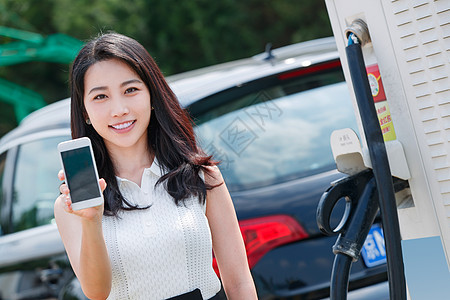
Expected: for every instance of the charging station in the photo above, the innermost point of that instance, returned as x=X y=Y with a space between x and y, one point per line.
x=406 y=52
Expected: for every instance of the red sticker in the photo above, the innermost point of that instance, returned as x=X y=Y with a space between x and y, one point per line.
x=376 y=85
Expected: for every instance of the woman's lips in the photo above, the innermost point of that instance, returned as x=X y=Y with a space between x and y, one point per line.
x=123 y=127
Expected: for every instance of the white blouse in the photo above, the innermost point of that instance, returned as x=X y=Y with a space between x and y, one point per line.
x=162 y=251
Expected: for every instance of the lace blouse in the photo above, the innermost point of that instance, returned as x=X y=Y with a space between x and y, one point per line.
x=162 y=251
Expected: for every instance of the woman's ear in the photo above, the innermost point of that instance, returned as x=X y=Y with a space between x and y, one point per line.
x=85 y=115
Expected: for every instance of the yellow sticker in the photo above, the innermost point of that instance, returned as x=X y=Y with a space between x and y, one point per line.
x=385 y=119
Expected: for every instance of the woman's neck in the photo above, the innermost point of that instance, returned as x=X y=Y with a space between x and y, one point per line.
x=130 y=162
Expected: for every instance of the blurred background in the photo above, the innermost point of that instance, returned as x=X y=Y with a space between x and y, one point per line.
x=180 y=35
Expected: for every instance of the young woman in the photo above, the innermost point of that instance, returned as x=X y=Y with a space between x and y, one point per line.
x=166 y=205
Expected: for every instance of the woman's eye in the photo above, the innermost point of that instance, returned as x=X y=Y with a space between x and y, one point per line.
x=99 y=97
x=130 y=90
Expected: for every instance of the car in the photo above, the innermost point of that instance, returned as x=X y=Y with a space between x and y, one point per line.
x=267 y=119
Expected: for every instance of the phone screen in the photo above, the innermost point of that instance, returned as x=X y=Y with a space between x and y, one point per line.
x=80 y=173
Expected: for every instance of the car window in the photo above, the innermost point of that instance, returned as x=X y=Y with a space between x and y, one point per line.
x=36 y=185
x=279 y=132
x=2 y=196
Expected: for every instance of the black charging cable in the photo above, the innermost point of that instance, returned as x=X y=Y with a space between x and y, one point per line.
x=381 y=169
x=360 y=194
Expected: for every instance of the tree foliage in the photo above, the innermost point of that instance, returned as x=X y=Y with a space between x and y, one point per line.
x=180 y=35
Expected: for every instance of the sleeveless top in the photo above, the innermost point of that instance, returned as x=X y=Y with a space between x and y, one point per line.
x=162 y=251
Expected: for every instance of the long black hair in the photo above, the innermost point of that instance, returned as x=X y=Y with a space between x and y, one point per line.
x=170 y=133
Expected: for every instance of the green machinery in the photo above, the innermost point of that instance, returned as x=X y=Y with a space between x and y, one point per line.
x=26 y=47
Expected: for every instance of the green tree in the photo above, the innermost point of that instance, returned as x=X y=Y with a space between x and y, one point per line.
x=180 y=35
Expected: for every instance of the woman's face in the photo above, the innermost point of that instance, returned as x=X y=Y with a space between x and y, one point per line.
x=117 y=102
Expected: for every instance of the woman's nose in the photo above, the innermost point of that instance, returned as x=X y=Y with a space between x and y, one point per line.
x=119 y=107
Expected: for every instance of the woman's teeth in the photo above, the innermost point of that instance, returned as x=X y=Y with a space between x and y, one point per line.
x=123 y=125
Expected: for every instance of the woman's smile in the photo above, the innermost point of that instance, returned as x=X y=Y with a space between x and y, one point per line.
x=123 y=127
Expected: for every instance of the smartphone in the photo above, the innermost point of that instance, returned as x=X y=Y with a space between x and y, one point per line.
x=80 y=171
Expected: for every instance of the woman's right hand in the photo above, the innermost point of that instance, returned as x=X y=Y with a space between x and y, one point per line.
x=82 y=235
x=89 y=213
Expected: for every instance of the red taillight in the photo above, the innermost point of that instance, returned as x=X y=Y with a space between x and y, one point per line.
x=263 y=234
x=311 y=69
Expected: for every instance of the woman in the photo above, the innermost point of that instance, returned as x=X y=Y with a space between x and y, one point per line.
x=166 y=205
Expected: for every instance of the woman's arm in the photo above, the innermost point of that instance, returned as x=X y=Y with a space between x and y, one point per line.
x=82 y=236
x=228 y=244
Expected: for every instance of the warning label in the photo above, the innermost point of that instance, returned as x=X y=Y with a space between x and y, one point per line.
x=376 y=85
x=381 y=104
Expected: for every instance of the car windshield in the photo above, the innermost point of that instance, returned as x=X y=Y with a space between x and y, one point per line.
x=277 y=133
